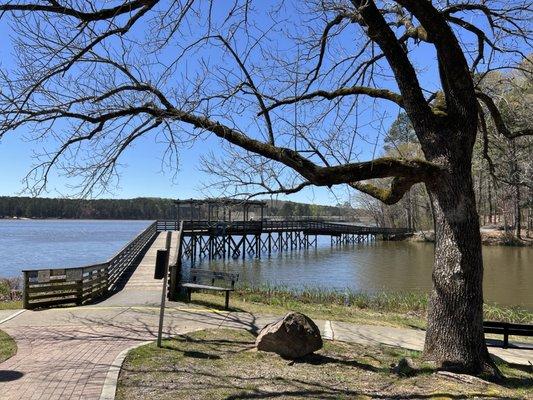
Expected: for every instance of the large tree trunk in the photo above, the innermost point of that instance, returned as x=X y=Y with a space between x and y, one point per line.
x=454 y=338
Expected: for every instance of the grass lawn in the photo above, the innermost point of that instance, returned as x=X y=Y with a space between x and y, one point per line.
x=335 y=312
x=10 y=305
x=223 y=364
x=8 y=347
x=406 y=310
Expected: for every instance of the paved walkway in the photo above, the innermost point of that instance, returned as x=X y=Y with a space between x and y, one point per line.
x=66 y=353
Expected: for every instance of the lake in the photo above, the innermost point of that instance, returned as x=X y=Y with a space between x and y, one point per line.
x=384 y=266
x=373 y=267
x=34 y=244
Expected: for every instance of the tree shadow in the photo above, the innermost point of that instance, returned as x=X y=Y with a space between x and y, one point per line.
x=201 y=355
x=10 y=375
x=320 y=359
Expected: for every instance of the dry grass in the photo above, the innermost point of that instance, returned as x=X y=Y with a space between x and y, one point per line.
x=8 y=347
x=406 y=310
x=10 y=305
x=223 y=364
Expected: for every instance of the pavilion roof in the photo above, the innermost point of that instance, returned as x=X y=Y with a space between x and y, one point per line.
x=222 y=201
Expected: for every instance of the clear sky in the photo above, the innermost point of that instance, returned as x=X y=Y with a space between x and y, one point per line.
x=141 y=172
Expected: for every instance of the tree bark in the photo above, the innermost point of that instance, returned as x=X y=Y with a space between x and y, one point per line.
x=454 y=337
x=518 y=213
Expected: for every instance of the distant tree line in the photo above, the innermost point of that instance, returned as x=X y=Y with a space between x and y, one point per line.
x=280 y=208
x=141 y=208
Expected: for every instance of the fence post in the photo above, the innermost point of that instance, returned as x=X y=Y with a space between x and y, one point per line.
x=26 y=290
x=79 y=291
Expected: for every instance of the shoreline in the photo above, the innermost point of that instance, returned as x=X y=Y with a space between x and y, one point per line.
x=489 y=237
x=345 y=304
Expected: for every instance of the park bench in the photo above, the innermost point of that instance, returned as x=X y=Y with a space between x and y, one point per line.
x=199 y=277
x=507 y=329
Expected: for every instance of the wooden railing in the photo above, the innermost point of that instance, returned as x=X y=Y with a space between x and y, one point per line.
x=242 y=227
x=80 y=285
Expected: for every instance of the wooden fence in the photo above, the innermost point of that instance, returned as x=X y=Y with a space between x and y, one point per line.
x=80 y=285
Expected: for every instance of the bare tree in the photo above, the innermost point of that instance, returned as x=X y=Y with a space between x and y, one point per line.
x=292 y=88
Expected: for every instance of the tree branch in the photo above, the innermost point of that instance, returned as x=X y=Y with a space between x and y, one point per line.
x=498 y=119
x=397 y=189
x=380 y=32
x=348 y=91
x=99 y=15
x=320 y=176
x=455 y=76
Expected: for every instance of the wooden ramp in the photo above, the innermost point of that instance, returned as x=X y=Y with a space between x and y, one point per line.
x=141 y=288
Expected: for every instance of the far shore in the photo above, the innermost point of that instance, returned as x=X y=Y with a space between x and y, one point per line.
x=489 y=237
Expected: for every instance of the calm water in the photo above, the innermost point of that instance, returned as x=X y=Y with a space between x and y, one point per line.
x=386 y=266
x=391 y=266
x=33 y=244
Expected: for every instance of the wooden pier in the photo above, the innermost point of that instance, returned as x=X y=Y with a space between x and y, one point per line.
x=239 y=239
x=196 y=239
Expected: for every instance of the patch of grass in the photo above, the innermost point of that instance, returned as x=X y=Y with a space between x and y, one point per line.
x=10 y=305
x=240 y=302
x=223 y=364
x=8 y=347
x=517 y=315
x=392 y=309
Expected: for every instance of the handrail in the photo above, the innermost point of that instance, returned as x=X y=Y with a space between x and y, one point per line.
x=316 y=226
x=79 y=285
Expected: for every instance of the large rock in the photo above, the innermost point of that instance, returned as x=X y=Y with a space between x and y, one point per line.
x=293 y=336
x=406 y=367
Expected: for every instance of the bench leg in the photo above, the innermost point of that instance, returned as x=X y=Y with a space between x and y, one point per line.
x=226 y=304
x=189 y=294
x=505 y=340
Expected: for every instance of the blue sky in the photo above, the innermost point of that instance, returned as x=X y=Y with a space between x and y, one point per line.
x=141 y=172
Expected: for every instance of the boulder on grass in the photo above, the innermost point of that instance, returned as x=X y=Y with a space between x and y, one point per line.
x=293 y=336
x=405 y=368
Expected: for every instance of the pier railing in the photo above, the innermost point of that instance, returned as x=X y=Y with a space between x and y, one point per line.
x=79 y=285
x=175 y=266
x=250 y=227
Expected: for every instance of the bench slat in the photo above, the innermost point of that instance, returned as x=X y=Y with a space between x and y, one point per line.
x=214 y=274
x=206 y=287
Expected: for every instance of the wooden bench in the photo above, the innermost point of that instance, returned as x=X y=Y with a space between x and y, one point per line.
x=198 y=277
x=507 y=329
